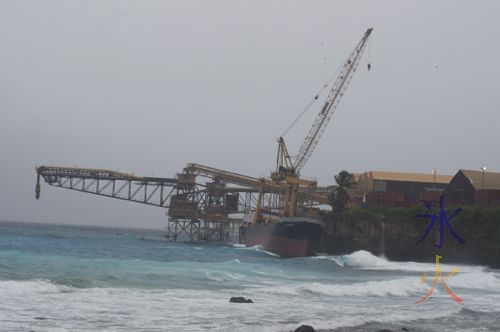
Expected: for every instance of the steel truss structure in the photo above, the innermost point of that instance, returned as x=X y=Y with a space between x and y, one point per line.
x=124 y=186
x=196 y=211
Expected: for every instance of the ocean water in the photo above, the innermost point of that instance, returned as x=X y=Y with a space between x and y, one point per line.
x=68 y=278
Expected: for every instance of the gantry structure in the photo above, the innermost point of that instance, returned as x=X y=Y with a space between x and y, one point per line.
x=202 y=202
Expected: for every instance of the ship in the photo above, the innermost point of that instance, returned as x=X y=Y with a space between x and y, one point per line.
x=287 y=236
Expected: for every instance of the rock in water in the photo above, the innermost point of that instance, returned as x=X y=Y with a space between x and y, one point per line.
x=239 y=299
x=305 y=328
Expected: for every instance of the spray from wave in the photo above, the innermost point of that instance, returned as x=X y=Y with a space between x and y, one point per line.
x=30 y=287
x=396 y=287
x=365 y=260
x=257 y=248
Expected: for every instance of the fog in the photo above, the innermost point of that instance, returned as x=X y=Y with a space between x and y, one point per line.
x=148 y=86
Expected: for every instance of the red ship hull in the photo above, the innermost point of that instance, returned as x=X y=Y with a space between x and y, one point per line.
x=287 y=239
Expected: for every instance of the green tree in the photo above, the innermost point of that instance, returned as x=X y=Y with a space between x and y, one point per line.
x=339 y=197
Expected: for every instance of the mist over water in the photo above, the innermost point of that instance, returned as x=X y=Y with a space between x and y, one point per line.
x=61 y=278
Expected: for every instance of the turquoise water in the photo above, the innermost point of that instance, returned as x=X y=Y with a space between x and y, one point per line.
x=69 y=278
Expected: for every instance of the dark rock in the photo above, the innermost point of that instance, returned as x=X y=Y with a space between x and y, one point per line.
x=239 y=299
x=385 y=330
x=404 y=329
x=41 y=318
x=305 y=328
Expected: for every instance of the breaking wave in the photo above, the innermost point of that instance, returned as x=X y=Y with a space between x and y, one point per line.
x=30 y=287
x=367 y=261
x=475 y=280
x=397 y=287
x=257 y=248
x=390 y=317
x=224 y=276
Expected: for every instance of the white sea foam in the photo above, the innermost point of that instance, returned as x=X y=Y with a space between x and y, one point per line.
x=29 y=287
x=382 y=317
x=474 y=280
x=258 y=248
x=397 y=287
x=224 y=276
x=275 y=308
x=367 y=261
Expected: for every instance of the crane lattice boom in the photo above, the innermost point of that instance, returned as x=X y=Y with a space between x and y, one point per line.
x=333 y=99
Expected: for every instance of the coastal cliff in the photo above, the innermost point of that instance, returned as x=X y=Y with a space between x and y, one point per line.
x=394 y=233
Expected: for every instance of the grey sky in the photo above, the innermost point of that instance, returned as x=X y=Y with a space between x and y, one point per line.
x=147 y=86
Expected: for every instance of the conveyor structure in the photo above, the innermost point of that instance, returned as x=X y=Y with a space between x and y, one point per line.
x=196 y=211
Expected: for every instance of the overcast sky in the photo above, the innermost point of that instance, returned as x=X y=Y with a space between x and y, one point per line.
x=148 y=86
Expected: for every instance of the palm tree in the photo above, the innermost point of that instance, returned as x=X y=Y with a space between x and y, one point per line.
x=339 y=197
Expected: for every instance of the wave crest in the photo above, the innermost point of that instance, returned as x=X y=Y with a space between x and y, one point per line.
x=367 y=261
x=397 y=287
x=28 y=287
x=474 y=280
x=258 y=248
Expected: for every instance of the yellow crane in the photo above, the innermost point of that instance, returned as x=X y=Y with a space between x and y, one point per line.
x=288 y=171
